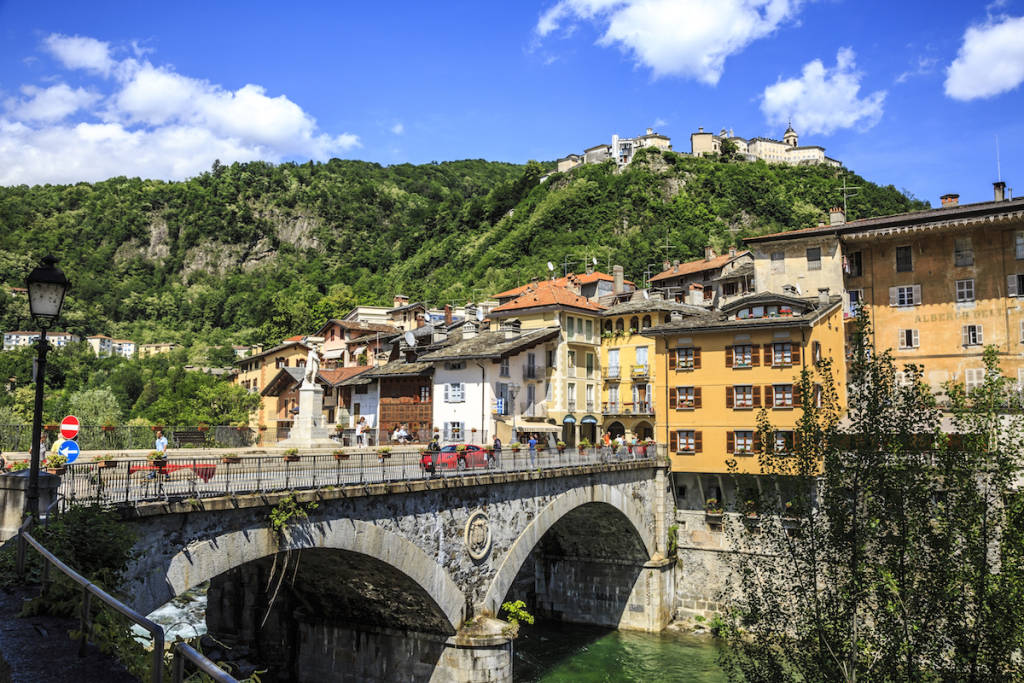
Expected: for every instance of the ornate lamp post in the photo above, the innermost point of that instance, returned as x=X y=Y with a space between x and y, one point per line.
x=47 y=286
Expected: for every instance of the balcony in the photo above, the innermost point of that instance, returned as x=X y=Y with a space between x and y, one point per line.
x=640 y=370
x=643 y=408
x=536 y=410
x=611 y=408
x=590 y=406
x=616 y=408
x=611 y=373
x=532 y=372
x=572 y=406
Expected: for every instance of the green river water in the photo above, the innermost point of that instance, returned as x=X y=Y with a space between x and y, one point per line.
x=553 y=652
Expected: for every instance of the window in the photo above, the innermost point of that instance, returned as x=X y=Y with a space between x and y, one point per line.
x=503 y=369
x=814 y=258
x=590 y=366
x=501 y=394
x=455 y=365
x=854 y=267
x=963 y=252
x=552 y=357
x=974 y=378
x=1018 y=242
x=280 y=363
x=1015 y=285
x=571 y=395
x=905 y=296
x=742 y=356
x=531 y=365
x=965 y=290
x=579 y=326
x=1021 y=326
x=740 y=442
x=589 y=391
x=646 y=322
x=570 y=328
x=685 y=359
x=453 y=431
x=778 y=262
x=572 y=363
x=783 y=396
x=424 y=393
x=634 y=324
x=619 y=325
x=687 y=398
x=589 y=330
x=908 y=339
x=972 y=335
x=686 y=441
x=454 y=392
x=782 y=354
x=729 y=289
x=904 y=260
x=361 y=388
x=742 y=396
x=783 y=441
x=856 y=296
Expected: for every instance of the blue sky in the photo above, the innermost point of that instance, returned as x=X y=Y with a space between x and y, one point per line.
x=908 y=93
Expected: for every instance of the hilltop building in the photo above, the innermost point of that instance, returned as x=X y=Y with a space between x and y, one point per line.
x=147 y=350
x=788 y=150
x=19 y=338
x=621 y=150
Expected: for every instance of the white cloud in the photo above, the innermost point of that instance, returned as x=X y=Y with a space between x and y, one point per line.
x=80 y=52
x=151 y=122
x=690 y=39
x=925 y=66
x=659 y=122
x=823 y=100
x=50 y=104
x=990 y=61
x=398 y=128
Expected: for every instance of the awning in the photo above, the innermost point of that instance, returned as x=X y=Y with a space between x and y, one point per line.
x=538 y=427
x=589 y=420
x=569 y=419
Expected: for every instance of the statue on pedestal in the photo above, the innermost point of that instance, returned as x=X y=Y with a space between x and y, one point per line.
x=312 y=364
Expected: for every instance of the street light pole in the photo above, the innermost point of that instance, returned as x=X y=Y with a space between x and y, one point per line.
x=37 y=426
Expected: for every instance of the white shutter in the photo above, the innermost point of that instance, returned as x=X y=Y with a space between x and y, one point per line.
x=892 y=296
x=917 y=295
x=447 y=399
x=980 y=331
x=917 y=339
x=1011 y=285
x=966 y=335
x=901 y=337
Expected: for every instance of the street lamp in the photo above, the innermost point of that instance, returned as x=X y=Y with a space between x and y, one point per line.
x=47 y=286
x=513 y=391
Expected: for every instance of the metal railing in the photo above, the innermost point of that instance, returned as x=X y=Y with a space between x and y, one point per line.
x=611 y=372
x=18 y=437
x=571 y=406
x=89 y=589
x=192 y=479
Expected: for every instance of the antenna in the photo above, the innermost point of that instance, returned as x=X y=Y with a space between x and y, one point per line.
x=847 y=190
x=410 y=339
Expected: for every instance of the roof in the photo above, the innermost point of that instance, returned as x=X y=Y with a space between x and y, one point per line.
x=375 y=335
x=353 y=325
x=565 y=281
x=284 y=379
x=960 y=213
x=491 y=345
x=418 y=304
x=719 y=320
x=97 y=336
x=547 y=293
x=698 y=266
x=273 y=349
x=742 y=270
x=652 y=306
x=334 y=376
x=398 y=368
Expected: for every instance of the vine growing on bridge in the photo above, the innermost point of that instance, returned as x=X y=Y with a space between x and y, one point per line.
x=287 y=511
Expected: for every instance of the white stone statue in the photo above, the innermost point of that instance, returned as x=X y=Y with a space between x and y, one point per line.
x=312 y=364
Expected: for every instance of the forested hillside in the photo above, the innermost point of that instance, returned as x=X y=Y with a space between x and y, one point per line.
x=254 y=252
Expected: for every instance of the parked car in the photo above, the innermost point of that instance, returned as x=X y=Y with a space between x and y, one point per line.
x=449 y=458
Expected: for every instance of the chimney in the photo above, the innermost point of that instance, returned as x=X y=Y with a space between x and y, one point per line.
x=420 y=320
x=400 y=300
x=469 y=330
x=675 y=263
x=675 y=317
x=700 y=129
x=951 y=199
x=823 y=296
x=650 y=130
x=512 y=328
x=667 y=264
x=836 y=216
x=732 y=252
x=709 y=253
x=617 y=278
x=999 y=188
x=448 y=315
x=590 y=267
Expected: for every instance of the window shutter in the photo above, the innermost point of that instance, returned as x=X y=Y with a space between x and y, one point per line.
x=917 y=295
x=755 y=392
x=965 y=337
x=696 y=359
x=796 y=396
x=755 y=355
x=673 y=401
x=892 y=296
x=1011 y=285
x=696 y=397
x=917 y=339
x=769 y=358
x=671 y=359
x=730 y=442
x=769 y=396
x=901 y=336
x=757 y=441
x=673 y=441
x=794 y=350
x=728 y=397
x=446 y=399
x=698 y=442
x=980 y=332
x=728 y=356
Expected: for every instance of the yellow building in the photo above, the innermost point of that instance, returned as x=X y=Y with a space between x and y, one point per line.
x=628 y=364
x=256 y=371
x=718 y=370
x=147 y=350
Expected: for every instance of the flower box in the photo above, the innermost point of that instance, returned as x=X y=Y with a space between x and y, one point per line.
x=231 y=459
x=56 y=470
x=106 y=464
x=292 y=458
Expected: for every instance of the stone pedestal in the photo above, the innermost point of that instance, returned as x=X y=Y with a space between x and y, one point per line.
x=14 y=493
x=308 y=429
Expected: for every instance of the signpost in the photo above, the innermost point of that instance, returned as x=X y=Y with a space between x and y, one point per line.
x=70 y=450
x=69 y=427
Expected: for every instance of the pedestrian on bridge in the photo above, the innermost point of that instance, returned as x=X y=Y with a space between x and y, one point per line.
x=496 y=452
x=532 y=443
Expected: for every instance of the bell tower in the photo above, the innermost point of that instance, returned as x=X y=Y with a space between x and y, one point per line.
x=789 y=137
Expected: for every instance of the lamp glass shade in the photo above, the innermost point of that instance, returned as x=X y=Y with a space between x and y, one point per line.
x=47 y=286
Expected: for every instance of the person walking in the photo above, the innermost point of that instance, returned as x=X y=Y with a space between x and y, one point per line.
x=532 y=443
x=361 y=431
x=496 y=453
x=161 y=444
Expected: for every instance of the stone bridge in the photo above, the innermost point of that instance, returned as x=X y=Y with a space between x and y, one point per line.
x=403 y=581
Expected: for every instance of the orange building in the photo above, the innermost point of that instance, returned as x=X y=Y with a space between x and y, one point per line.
x=256 y=371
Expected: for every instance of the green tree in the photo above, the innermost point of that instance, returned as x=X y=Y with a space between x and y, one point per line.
x=95 y=407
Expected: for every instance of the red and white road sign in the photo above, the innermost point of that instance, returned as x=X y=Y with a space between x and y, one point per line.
x=69 y=427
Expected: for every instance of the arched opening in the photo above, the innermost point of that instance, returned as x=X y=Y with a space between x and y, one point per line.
x=615 y=430
x=607 y=325
x=634 y=324
x=588 y=428
x=644 y=430
x=569 y=431
x=646 y=322
x=618 y=325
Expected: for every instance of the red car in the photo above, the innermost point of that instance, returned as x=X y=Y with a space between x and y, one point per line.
x=449 y=458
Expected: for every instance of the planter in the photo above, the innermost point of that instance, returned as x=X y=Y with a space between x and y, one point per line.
x=202 y=429
x=56 y=470
x=292 y=458
x=108 y=428
x=106 y=464
x=158 y=462
x=342 y=456
x=231 y=459
x=50 y=428
x=383 y=456
x=713 y=515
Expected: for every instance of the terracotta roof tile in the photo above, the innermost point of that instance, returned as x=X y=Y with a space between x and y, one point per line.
x=564 y=281
x=691 y=267
x=548 y=293
x=334 y=375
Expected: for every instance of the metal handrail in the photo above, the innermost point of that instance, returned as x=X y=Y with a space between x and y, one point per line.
x=183 y=651
x=89 y=589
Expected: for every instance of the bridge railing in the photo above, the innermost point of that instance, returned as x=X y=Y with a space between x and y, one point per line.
x=184 y=478
x=89 y=589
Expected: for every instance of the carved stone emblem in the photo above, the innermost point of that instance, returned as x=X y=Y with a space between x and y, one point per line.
x=478 y=535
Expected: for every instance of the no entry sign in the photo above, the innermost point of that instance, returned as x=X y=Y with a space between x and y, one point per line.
x=69 y=427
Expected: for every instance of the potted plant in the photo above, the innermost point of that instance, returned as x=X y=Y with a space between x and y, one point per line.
x=157 y=458
x=203 y=427
x=231 y=459
x=460 y=448
x=712 y=508
x=341 y=455
x=105 y=461
x=584 y=445
x=19 y=466
x=560 y=445
x=515 y=446
x=262 y=428
x=750 y=508
x=55 y=464
x=291 y=455
x=157 y=428
x=383 y=452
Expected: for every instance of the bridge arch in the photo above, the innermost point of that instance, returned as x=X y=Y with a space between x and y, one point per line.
x=203 y=559
x=548 y=517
